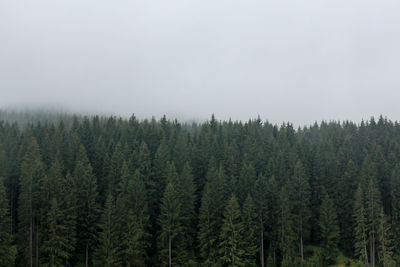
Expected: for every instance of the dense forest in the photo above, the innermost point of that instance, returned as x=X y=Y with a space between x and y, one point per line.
x=108 y=191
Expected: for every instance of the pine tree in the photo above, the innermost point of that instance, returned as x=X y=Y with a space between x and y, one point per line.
x=250 y=237
x=187 y=197
x=301 y=199
x=360 y=227
x=210 y=215
x=261 y=203
x=114 y=173
x=395 y=195
x=55 y=246
x=329 y=228
x=287 y=231
x=107 y=252
x=231 y=249
x=170 y=225
x=372 y=208
x=87 y=209
x=135 y=239
x=385 y=241
x=32 y=173
x=7 y=250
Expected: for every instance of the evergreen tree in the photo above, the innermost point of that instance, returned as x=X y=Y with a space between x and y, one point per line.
x=55 y=246
x=210 y=215
x=250 y=237
x=32 y=173
x=395 y=195
x=261 y=204
x=232 y=230
x=301 y=199
x=170 y=226
x=87 y=209
x=7 y=250
x=287 y=228
x=107 y=252
x=385 y=245
x=372 y=208
x=187 y=197
x=328 y=224
x=360 y=227
x=135 y=239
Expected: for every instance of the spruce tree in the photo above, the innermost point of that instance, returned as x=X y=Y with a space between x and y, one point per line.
x=7 y=250
x=329 y=229
x=385 y=241
x=250 y=232
x=32 y=173
x=136 y=238
x=87 y=209
x=210 y=215
x=360 y=227
x=301 y=199
x=170 y=226
x=261 y=204
x=372 y=208
x=232 y=230
x=287 y=229
x=395 y=195
x=187 y=198
x=108 y=249
x=55 y=246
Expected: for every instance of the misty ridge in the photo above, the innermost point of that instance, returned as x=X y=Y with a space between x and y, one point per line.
x=89 y=190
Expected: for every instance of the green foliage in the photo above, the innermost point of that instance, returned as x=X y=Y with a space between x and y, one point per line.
x=32 y=174
x=250 y=231
x=170 y=226
x=7 y=250
x=232 y=235
x=135 y=236
x=58 y=174
x=56 y=246
x=108 y=249
x=329 y=228
x=360 y=227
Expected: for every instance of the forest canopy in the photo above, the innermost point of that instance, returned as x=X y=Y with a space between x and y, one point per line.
x=110 y=191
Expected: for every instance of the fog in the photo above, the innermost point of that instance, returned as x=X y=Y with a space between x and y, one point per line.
x=298 y=61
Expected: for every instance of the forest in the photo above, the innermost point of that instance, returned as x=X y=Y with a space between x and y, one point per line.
x=81 y=190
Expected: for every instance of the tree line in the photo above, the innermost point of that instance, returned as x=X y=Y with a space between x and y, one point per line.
x=108 y=191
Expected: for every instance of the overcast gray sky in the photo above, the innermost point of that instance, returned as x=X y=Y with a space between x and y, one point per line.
x=297 y=61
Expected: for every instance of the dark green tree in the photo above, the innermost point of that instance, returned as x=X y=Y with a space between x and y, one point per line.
x=32 y=174
x=107 y=253
x=170 y=226
x=250 y=232
x=232 y=231
x=210 y=215
x=385 y=241
x=87 y=209
x=329 y=229
x=7 y=250
x=56 y=245
x=372 y=207
x=360 y=227
x=136 y=238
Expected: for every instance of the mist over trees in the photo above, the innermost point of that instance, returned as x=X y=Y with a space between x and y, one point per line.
x=107 y=191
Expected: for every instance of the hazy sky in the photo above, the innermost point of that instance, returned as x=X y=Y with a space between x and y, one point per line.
x=297 y=61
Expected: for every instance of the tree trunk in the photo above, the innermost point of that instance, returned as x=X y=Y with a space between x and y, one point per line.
x=37 y=243
x=373 y=249
x=87 y=256
x=169 y=251
x=262 y=247
x=31 y=242
x=301 y=247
